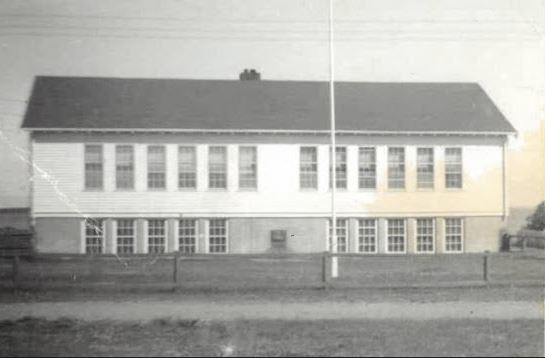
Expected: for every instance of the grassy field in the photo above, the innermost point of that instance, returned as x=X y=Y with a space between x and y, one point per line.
x=237 y=272
x=31 y=337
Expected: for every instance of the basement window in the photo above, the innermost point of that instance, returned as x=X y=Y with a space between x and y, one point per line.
x=94 y=236
x=342 y=234
x=125 y=233
x=454 y=235
x=367 y=235
x=425 y=235
x=396 y=236
x=156 y=236
x=217 y=236
x=187 y=236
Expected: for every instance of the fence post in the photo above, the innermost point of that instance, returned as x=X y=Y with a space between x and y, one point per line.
x=175 y=268
x=485 y=267
x=15 y=269
x=325 y=275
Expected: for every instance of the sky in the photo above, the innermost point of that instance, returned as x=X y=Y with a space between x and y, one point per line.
x=497 y=43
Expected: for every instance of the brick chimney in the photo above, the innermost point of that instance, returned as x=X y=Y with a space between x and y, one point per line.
x=250 y=75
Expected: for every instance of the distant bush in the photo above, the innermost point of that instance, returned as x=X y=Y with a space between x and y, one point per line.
x=537 y=220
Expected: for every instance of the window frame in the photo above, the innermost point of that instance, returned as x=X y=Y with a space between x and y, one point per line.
x=374 y=164
x=388 y=170
x=345 y=228
x=462 y=236
x=195 y=236
x=433 y=171
x=133 y=171
x=434 y=236
x=85 y=236
x=337 y=163
x=387 y=249
x=117 y=236
x=179 y=167
x=86 y=186
x=253 y=164
x=462 y=181
x=314 y=173
x=164 y=172
x=225 y=168
x=209 y=236
x=360 y=235
x=148 y=236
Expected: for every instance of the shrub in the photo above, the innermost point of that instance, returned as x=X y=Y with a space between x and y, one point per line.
x=537 y=220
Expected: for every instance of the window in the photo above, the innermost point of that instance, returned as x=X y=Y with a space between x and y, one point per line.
x=424 y=168
x=94 y=236
x=125 y=234
x=342 y=234
x=217 y=236
x=453 y=168
x=425 y=235
x=247 y=168
x=396 y=235
x=156 y=167
x=367 y=235
x=454 y=232
x=340 y=170
x=187 y=236
x=217 y=167
x=396 y=168
x=308 y=169
x=93 y=167
x=367 y=168
x=187 y=168
x=124 y=167
x=156 y=236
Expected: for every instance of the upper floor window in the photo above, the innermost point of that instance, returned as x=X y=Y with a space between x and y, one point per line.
x=93 y=166
x=217 y=167
x=424 y=168
x=396 y=168
x=156 y=167
x=187 y=168
x=308 y=168
x=367 y=168
x=453 y=168
x=340 y=168
x=124 y=167
x=247 y=168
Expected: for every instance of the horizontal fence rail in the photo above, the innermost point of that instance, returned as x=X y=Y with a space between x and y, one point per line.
x=263 y=271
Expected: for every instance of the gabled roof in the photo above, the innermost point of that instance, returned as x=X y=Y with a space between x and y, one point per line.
x=81 y=103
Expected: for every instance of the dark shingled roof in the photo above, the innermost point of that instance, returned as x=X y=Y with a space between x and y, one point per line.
x=180 y=104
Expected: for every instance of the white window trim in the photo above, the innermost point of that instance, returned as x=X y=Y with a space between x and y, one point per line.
x=84 y=181
x=358 y=236
x=256 y=168
x=463 y=233
x=405 y=151
x=301 y=188
x=83 y=241
x=178 y=168
x=135 y=235
x=115 y=145
x=330 y=178
x=208 y=187
x=146 y=234
x=404 y=237
x=165 y=151
x=445 y=168
x=375 y=148
x=227 y=242
x=434 y=233
x=347 y=230
x=197 y=234
x=434 y=155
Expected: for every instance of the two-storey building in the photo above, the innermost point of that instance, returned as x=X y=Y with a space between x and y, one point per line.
x=157 y=165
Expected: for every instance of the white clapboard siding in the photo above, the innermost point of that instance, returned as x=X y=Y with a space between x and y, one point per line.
x=61 y=191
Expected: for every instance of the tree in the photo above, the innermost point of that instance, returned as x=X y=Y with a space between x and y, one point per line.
x=536 y=221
